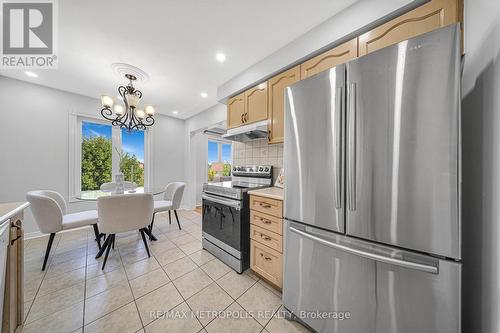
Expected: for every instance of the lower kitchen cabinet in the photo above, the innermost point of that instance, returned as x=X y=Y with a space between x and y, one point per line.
x=266 y=238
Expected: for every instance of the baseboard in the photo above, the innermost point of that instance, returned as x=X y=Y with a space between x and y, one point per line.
x=33 y=234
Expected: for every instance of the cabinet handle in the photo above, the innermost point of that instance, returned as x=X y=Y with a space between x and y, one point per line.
x=266 y=257
x=267 y=238
x=264 y=205
x=265 y=221
x=241 y=118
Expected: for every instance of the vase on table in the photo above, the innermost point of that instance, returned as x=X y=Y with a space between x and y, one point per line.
x=119 y=179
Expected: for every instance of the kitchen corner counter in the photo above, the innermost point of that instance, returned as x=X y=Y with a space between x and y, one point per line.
x=10 y=209
x=269 y=192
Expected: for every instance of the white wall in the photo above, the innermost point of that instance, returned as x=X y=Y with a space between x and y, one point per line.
x=196 y=150
x=347 y=24
x=481 y=168
x=34 y=142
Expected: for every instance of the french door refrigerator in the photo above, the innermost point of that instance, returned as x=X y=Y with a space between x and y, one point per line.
x=372 y=194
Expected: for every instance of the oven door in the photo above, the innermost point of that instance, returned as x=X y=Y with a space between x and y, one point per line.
x=222 y=223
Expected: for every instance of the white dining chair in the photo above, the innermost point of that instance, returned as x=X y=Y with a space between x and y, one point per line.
x=49 y=211
x=122 y=213
x=109 y=187
x=171 y=201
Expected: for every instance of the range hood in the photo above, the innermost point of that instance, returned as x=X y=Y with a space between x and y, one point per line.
x=249 y=132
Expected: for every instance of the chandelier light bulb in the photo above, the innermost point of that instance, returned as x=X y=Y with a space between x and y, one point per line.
x=150 y=110
x=140 y=114
x=132 y=100
x=119 y=109
x=106 y=101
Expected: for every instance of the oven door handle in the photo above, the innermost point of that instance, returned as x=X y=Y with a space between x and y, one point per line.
x=227 y=202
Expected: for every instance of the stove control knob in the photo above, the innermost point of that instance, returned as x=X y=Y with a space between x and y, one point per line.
x=261 y=169
x=235 y=169
x=266 y=169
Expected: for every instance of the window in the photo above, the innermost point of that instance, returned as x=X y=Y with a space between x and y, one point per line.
x=219 y=159
x=132 y=162
x=97 y=155
x=100 y=150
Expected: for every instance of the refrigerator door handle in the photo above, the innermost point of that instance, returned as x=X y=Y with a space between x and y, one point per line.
x=340 y=104
x=352 y=147
x=369 y=255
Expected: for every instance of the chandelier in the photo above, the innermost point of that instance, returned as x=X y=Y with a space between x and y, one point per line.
x=128 y=115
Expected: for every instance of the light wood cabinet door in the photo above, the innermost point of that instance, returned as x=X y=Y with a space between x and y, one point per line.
x=256 y=104
x=266 y=262
x=276 y=99
x=235 y=110
x=338 y=55
x=430 y=16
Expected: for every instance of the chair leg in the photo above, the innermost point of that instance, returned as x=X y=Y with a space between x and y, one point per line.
x=169 y=218
x=151 y=227
x=177 y=218
x=97 y=235
x=113 y=243
x=107 y=240
x=143 y=234
x=108 y=247
x=47 y=252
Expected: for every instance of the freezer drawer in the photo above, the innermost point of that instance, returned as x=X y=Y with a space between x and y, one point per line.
x=314 y=150
x=384 y=290
x=403 y=144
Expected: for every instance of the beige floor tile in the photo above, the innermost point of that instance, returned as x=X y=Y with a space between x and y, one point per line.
x=180 y=267
x=104 y=282
x=160 y=300
x=188 y=324
x=260 y=299
x=270 y=287
x=56 y=269
x=187 y=238
x=216 y=269
x=201 y=257
x=107 y=301
x=114 y=257
x=27 y=306
x=134 y=256
x=148 y=282
x=192 y=282
x=191 y=247
x=172 y=231
x=31 y=287
x=72 y=254
x=169 y=256
x=62 y=281
x=96 y=270
x=124 y=320
x=236 y=320
x=235 y=284
x=64 y=321
x=56 y=301
x=208 y=301
x=161 y=246
x=280 y=325
x=141 y=267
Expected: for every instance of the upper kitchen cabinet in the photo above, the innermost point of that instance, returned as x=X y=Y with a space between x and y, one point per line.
x=276 y=101
x=236 y=111
x=256 y=104
x=329 y=59
x=430 y=16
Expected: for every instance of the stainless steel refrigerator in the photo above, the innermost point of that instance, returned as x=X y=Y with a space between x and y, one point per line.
x=372 y=193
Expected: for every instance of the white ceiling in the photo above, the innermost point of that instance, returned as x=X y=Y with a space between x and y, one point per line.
x=175 y=42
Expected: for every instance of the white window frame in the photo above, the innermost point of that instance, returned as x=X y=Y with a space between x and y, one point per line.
x=75 y=152
x=219 y=149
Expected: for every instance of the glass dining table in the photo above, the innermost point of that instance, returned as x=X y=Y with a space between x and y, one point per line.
x=95 y=194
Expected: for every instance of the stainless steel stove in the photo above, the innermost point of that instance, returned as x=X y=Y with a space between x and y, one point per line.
x=226 y=214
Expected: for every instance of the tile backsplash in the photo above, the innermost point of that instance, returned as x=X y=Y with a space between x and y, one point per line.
x=259 y=152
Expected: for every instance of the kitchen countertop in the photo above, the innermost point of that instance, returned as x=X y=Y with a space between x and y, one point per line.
x=269 y=192
x=9 y=209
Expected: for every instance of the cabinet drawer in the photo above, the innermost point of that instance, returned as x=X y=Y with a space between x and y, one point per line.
x=266 y=262
x=268 y=222
x=266 y=237
x=266 y=205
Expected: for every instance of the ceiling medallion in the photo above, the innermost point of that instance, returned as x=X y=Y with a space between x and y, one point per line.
x=127 y=114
